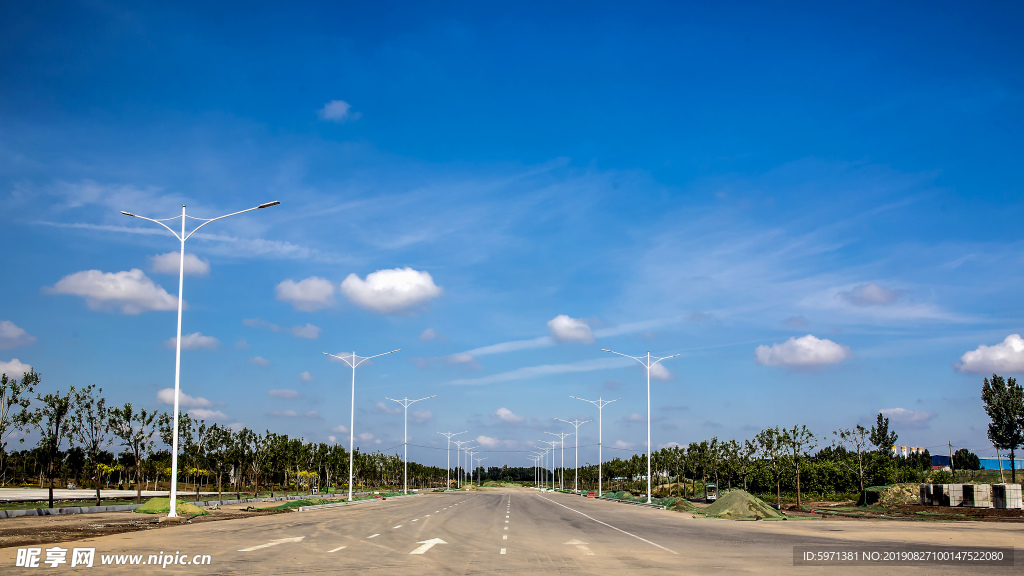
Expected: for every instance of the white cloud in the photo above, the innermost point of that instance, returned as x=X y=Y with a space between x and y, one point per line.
x=307 y=295
x=259 y=361
x=488 y=442
x=659 y=372
x=308 y=331
x=193 y=341
x=669 y=445
x=870 y=295
x=338 y=111
x=909 y=418
x=11 y=336
x=205 y=414
x=14 y=368
x=635 y=417
x=330 y=439
x=285 y=414
x=242 y=344
x=622 y=445
x=566 y=329
x=507 y=415
x=391 y=291
x=543 y=370
x=284 y=394
x=804 y=352
x=365 y=437
x=312 y=415
x=166 y=396
x=340 y=429
x=169 y=264
x=461 y=358
x=388 y=409
x=132 y=291
x=1007 y=356
x=306 y=377
x=236 y=426
x=428 y=335
x=420 y=416
x=469 y=356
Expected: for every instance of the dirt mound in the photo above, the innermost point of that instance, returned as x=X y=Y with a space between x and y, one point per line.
x=900 y=494
x=302 y=502
x=740 y=505
x=679 y=505
x=163 y=506
x=624 y=495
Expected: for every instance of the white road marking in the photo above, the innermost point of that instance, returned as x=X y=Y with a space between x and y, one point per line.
x=415 y=519
x=427 y=545
x=506 y=527
x=373 y=536
x=506 y=521
x=273 y=543
x=581 y=545
x=502 y=551
x=504 y=536
x=336 y=549
x=397 y=527
x=612 y=527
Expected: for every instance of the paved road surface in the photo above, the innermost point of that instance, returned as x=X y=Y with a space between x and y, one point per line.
x=518 y=531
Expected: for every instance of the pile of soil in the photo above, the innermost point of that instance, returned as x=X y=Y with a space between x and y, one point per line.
x=302 y=502
x=679 y=505
x=163 y=506
x=900 y=494
x=738 y=504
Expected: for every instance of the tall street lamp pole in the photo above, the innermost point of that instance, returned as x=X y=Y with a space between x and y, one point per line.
x=561 y=436
x=576 y=424
x=177 y=351
x=458 y=460
x=354 y=361
x=405 y=402
x=467 y=472
x=600 y=424
x=553 y=443
x=479 y=480
x=649 y=363
x=449 y=435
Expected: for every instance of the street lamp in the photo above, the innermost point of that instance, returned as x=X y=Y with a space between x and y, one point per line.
x=561 y=436
x=351 y=361
x=405 y=402
x=458 y=460
x=177 y=353
x=600 y=424
x=467 y=472
x=576 y=423
x=553 y=443
x=535 y=456
x=479 y=479
x=648 y=365
x=449 y=435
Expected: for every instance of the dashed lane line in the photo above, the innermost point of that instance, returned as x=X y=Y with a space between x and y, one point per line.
x=273 y=543
x=504 y=536
x=372 y=536
x=336 y=549
x=397 y=527
x=610 y=526
x=502 y=551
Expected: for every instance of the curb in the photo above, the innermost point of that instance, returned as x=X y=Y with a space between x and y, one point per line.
x=337 y=504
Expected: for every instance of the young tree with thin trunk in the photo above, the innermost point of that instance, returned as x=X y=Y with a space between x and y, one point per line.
x=52 y=419
x=854 y=440
x=745 y=460
x=13 y=392
x=799 y=442
x=1004 y=404
x=92 y=428
x=135 y=430
x=772 y=449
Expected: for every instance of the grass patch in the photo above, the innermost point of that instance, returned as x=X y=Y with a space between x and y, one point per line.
x=163 y=506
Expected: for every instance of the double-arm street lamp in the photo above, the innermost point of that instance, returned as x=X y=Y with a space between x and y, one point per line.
x=405 y=402
x=600 y=456
x=354 y=361
x=561 y=437
x=177 y=353
x=576 y=424
x=647 y=362
x=458 y=460
x=449 y=435
x=552 y=443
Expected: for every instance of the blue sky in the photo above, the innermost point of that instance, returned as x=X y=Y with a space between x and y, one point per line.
x=817 y=207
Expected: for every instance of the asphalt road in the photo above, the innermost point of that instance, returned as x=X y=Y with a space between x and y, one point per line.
x=517 y=531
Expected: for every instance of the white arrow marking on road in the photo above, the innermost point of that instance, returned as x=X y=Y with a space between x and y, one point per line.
x=581 y=545
x=427 y=545
x=274 y=543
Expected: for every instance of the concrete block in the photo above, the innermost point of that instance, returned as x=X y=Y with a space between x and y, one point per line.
x=1006 y=496
x=925 y=494
x=956 y=494
x=978 y=495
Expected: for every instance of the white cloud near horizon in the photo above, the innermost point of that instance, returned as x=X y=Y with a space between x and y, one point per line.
x=166 y=395
x=306 y=295
x=391 y=291
x=660 y=372
x=908 y=418
x=340 y=429
x=306 y=377
x=338 y=111
x=428 y=335
x=131 y=291
x=385 y=408
x=309 y=331
x=869 y=295
x=566 y=329
x=170 y=263
x=260 y=361
x=487 y=441
x=206 y=414
x=14 y=369
x=285 y=414
x=1007 y=356
x=283 y=393
x=193 y=341
x=12 y=336
x=421 y=416
x=804 y=352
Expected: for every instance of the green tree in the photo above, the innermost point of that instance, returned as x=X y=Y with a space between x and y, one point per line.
x=13 y=392
x=135 y=430
x=799 y=442
x=966 y=461
x=51 y=418
x=881 y=437
x=1004 y=404
x=772 y=448
x=854 y=440
x=92 y=427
